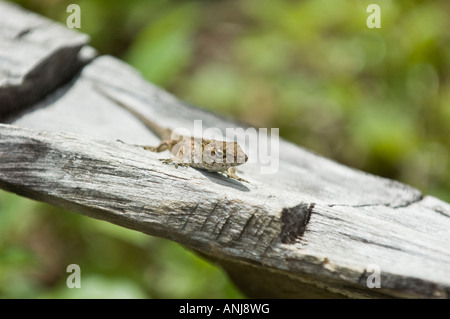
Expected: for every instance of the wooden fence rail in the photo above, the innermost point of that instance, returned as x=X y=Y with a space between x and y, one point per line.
x=313 y=228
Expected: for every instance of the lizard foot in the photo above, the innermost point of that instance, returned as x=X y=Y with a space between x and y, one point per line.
x=170 y=160
x=231 y=173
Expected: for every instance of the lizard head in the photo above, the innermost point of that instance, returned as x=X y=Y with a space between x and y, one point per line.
x=221 y=155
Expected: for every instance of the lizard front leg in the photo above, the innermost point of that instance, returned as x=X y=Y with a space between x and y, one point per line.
x=231 y=173
x=174 y=161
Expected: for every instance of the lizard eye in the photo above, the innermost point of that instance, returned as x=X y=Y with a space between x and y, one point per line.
x=218 y=152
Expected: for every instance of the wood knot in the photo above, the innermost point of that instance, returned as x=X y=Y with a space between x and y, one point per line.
x=294 y=221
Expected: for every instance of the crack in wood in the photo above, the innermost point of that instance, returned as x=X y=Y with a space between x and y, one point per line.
x=439 y=211
x=189 y=216
x=23 y=33
x=209 y=215
x=406 y=204
x=246 y=225
x=369 y=242
x=272 y=241
x=222 y=227
x=260 y=233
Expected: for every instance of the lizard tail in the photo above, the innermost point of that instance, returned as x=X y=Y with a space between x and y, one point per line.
x=161 y=132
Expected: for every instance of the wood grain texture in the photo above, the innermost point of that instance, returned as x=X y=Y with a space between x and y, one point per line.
x=225 y=221
x=309 y=229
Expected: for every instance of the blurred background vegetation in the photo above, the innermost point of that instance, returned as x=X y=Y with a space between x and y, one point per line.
x=373 y=99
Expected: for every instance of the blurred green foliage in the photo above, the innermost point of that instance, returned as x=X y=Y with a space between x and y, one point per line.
x=374 y=99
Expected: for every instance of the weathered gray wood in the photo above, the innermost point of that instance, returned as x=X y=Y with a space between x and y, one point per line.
x=36 y=56
x=309 y=230
x=229 y=223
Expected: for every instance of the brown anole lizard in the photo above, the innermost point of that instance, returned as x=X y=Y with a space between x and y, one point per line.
x=210 y=155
